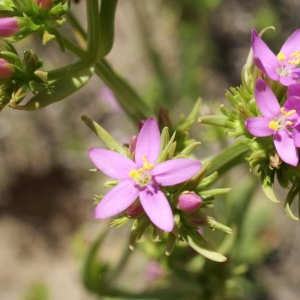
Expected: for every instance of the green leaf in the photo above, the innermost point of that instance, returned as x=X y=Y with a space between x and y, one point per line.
x=104 y=136
x=267 y=184
x=60 y=89
x=199 y=244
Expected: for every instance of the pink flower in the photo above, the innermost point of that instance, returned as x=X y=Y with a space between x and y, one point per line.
x=44 y=4
x=8 y=27
x=5 y=69
x=283 y=123
x=141 y=178
x=282 y=67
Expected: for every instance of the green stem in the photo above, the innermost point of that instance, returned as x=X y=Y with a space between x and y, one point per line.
x=67 y=70
x=227 y=159
x=92 y=7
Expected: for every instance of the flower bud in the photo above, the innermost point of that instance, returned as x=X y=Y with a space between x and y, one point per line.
x=31 y=61
x=5 y=69
x=189 y=202
x=19 y=93
x=132 y=144
x=275 y=161
x=8 y=27
x=44 y=4
x=135 y=210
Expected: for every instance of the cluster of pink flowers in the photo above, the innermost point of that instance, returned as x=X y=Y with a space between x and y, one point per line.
x=281 y=122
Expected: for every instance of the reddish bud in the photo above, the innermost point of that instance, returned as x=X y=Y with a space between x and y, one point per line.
x=44 y=4
x=5 y=69
x=189 y=202
x=135 y=210
x=8 y=27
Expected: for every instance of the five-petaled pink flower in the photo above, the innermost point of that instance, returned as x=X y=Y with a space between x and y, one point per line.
x=282 y=67
x=142 y=177
x=283 y=123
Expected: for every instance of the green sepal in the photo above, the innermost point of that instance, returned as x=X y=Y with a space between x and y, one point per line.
x=293 y=192
x=111 y=183
x=24 y=6
x=207 y=181
x=11 y=57
x=157 y=234
x=105 y=137
x=187 y=124
x=171 y=151
x=119 y=221
x=137 y=230
x=188 y=150
x=97 y=199
x=19 y=93
x=199 y=244
x=61 y=89
x=221 y=121
x=36 y=87
x=164 y=139
x=214 y=192
x=267 y=184
x=171 y=241
x=163 y=155
x=212 y=223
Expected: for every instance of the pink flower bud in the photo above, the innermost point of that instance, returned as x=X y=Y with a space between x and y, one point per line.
x=44 y=4
x=132 y=144
x=135 y=210
x=5 y=69
x=8 y=27
x=189 y=202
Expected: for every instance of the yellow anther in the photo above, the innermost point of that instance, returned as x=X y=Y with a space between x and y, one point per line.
x=273 y=125
x=281 y=56
x=283 y=110
x=288 y=123
x=134 y=174
x=295 y=54
x=146 y=164
x=291 y=112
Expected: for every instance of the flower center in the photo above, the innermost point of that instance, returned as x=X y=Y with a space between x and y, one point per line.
x=281 y=122
x=142 y=176
x=286 y=69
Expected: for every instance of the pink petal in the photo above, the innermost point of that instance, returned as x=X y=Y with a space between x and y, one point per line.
x=296 y=135
x=285 y=147
x=112 y=163
x=157 y=207
x=117 y=200
x=270 y=71
x=292 y=44
x=294 y=90
x=286 y=80
x=265 y=59
x=291 y=103
x=175 y=171
x=266 y=100
x=148 y=143
x=259 y=126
